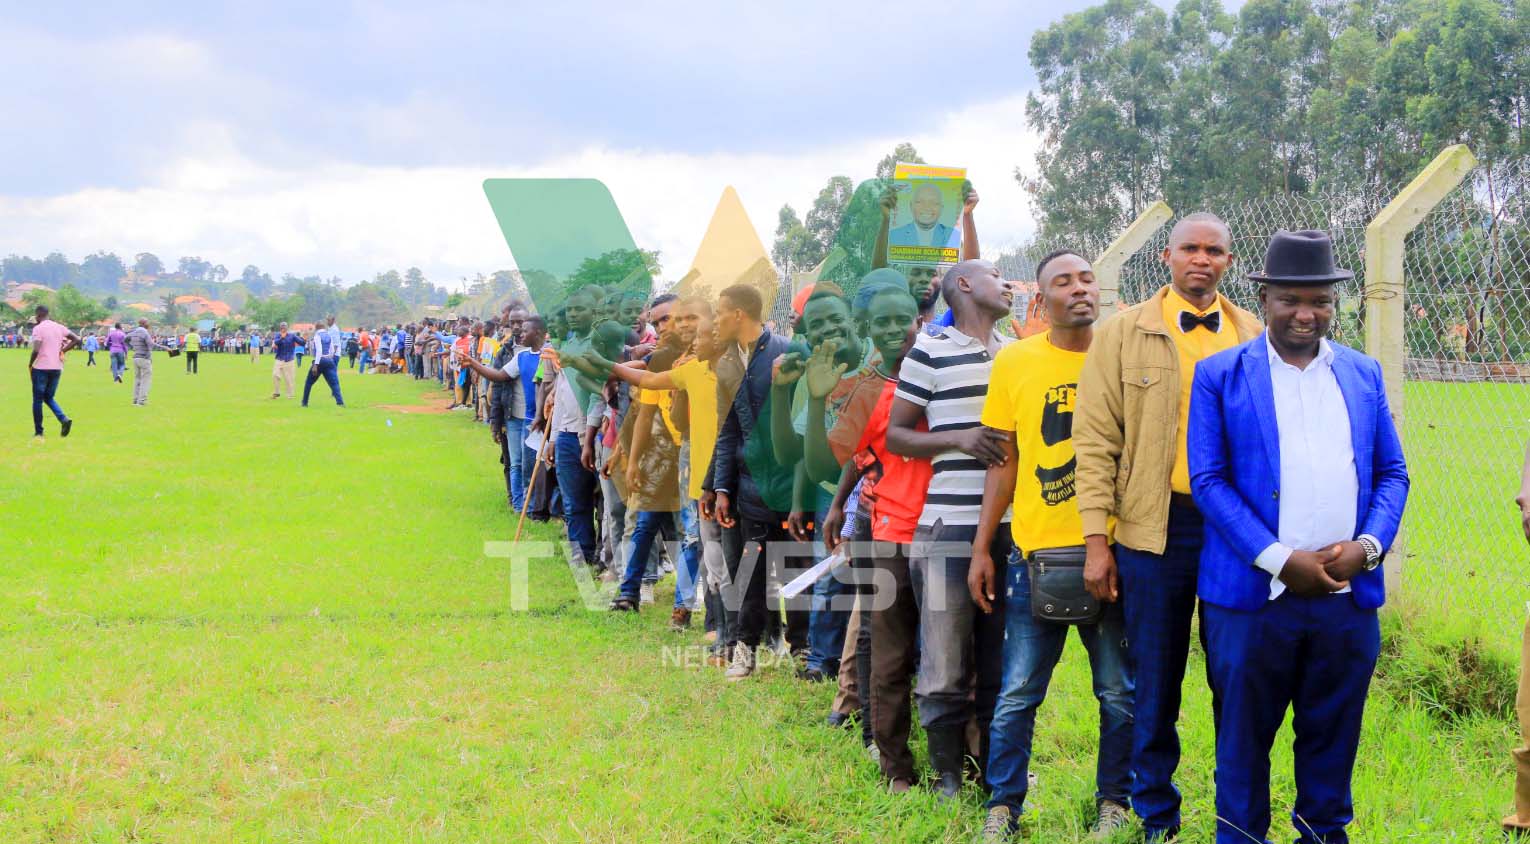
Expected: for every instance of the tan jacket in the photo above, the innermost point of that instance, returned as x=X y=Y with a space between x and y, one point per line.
x=1126 y=424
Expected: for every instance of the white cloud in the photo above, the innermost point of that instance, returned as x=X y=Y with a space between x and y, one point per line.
x=215 y=201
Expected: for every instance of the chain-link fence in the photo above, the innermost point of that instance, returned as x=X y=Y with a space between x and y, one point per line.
x=1466 y=411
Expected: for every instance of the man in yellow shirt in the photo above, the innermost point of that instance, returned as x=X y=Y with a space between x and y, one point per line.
x=1031 y=402
x=1129 y=434
x=192 y=345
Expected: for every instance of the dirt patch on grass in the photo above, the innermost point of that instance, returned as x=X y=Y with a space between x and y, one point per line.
x=432 y=402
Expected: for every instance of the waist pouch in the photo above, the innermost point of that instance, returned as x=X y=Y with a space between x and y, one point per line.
x=1057 y=587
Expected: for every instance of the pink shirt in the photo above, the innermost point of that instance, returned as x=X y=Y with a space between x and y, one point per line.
x=48 y=338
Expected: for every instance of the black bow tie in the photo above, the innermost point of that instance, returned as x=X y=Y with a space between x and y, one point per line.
x=1188 y=321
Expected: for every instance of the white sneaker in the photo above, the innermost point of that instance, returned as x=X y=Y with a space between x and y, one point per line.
x=743 y=663
x=645 y=595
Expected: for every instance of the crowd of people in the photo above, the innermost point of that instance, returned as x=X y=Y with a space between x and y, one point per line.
x=967 y=489
x=976 y=488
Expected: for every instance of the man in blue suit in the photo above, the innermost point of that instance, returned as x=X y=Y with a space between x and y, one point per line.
x=926 y=229
x=1296 y=464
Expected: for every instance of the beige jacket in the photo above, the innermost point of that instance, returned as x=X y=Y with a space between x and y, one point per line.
x=1126 y=423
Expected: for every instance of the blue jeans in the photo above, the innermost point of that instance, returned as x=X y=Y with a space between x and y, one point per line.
x=1031 y=651
x=576 y=485
x=119 y=365
x=827 y=620
x=1314 y=656
x=650 y=525
x=44 y=387
x=515 y=448
x=1158 y=598
x=328 y=368
x=690 y=556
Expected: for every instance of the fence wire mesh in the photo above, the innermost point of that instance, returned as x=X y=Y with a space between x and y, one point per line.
x=1466 y=411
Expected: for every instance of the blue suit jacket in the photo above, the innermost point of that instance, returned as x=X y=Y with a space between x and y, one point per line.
x=908 y=235
x=1234 y=455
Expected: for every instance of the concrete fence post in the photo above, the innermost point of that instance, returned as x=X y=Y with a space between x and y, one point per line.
x=1385 y=286
x=1107 y=267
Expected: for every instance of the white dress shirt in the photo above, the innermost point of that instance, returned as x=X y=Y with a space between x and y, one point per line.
x=1319 y=487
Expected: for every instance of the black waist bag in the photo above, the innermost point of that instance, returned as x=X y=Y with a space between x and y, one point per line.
x=1057 y=587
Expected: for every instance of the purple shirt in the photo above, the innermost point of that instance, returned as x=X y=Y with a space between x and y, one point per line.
x=116 y=341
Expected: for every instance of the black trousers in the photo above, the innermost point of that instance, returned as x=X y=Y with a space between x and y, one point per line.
x=750 y=572
x=191 y=361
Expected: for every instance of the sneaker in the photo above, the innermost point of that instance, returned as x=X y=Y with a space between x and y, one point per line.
x=1113 y=816
x=645 y=594
x=680 y=620
x=812 y=675
x=743 y=663
x=874 y=753
x=64 y=427
x=37 y=438
x=1001 y=825
x=276 y=395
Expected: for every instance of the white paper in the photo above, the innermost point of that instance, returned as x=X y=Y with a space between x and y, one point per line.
x=802 y=582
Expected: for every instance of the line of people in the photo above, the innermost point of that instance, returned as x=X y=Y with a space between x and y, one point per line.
x=991 y=493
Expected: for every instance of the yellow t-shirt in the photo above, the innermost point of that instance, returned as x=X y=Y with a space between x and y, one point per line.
x=700 y=385
x=193 y=341
x=1199 y=344
x=1032 y=393
x=664 y=401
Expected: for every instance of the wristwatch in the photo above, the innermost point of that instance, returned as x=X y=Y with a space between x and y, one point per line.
x=1372 y=552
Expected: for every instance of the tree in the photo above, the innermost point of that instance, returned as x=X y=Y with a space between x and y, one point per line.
x=33 y=299
x=631 y=269
x=218 y=274
x=147 y=263
x=1103 y=81
x=319 y=299
x=172 y=311
x=372 y=304
x=194 y=268
x=102 y=271
x=71 y=307
x=902 y=152
x=454 y=300
x=273 y=311
x=255 y=281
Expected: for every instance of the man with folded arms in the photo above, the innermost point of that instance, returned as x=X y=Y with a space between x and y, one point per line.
x=1296 y=464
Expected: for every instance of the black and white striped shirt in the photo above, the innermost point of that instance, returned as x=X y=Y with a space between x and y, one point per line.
x=947 y=374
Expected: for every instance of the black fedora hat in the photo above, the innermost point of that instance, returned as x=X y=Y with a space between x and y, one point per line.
x=1301 y=257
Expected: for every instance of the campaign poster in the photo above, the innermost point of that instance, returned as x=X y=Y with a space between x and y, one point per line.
x=925 y=225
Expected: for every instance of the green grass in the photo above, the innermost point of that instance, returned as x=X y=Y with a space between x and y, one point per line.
x=223 y=618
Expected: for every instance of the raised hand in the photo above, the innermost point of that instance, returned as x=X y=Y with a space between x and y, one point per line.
x=822 y=372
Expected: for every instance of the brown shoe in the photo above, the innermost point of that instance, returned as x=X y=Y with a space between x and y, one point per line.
x=899 y=787
x=680 y=620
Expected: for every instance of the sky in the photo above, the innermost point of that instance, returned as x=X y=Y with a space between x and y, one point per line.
x=350 y=138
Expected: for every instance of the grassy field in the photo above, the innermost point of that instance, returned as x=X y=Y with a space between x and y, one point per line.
x=223 y=618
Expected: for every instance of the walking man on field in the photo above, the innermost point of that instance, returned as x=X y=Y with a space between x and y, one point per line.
x=1129 y=432
x=326 y=363
x=284 y=345
x=142 y=344
x=50 y=341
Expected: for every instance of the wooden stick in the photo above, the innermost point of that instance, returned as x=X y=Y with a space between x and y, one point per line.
x=531 y=485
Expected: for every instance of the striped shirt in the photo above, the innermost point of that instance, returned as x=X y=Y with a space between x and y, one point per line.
x=947 y=375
